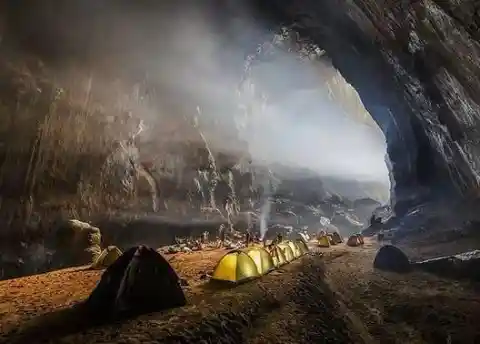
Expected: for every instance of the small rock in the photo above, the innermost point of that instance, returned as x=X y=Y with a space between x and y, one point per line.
x=183 y=282
x=172 y=249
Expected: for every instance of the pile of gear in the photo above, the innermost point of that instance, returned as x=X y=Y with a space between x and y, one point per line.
x=229 y=240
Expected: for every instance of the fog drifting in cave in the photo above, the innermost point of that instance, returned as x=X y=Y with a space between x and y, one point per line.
x=311 y=117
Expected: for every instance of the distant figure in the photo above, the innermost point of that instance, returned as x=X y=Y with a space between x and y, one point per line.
x=205 y=237
x=278 y=239
x=248 y=239
x=221 y=234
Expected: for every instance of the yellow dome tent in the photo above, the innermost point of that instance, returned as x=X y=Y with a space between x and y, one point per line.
x=296 y=251
x=262 y=259
x=277 y=256
x=302 y=246
x=323 y=241
x=287 y=251
x=235 y=267
x=107 y=257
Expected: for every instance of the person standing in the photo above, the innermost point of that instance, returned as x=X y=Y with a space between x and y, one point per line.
x=205 y=237
x=278 y=239
x=248 y=238
x=221 y=234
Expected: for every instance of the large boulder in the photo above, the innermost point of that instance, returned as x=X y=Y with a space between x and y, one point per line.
x=391 y=258
x=76 y=243
x=140 y=281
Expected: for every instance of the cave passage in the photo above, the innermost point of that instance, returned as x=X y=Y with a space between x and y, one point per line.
x=314 y=120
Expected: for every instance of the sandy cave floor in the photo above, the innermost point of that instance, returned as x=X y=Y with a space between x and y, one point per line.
x=334 y=298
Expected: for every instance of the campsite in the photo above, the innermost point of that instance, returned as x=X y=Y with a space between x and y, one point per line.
x=239 y=172
x=324 y=295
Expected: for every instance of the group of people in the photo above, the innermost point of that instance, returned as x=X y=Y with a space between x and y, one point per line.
x=255 y=238
x=249 y=238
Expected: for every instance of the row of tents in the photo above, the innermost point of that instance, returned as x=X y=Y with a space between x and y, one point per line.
x=142 y=281
x=330 y=239
x=242 y=265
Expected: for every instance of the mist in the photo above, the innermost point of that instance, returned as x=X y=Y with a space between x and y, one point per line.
x=301 y=112
x=301 y=131
x=293 y=111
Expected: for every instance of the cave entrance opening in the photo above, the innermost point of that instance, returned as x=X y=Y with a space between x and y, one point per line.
x=313 y=123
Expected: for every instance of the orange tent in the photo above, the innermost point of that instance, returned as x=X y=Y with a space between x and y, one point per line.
x=354 y=241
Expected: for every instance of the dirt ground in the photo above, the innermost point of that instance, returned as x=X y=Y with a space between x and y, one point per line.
x=413 y=308
x=27 y=298
x=332 y=296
